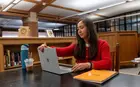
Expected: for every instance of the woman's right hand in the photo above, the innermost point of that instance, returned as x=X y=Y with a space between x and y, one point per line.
x=42 y=46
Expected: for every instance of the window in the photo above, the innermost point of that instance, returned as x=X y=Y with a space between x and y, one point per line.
x=128 y=19
x=139 y=18
x=117 y=28
x=116 y=21
x=112 y=22
x=129 y=23
x=138 y=27
x=122 y=28
x=134 y=19
x=121 y=20
x=134 y=27
x=128 y=27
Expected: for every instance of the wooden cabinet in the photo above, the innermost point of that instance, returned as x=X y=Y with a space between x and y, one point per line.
x=128 y=41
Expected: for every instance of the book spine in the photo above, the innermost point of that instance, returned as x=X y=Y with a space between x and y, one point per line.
x=8 y=57
x=11 y=58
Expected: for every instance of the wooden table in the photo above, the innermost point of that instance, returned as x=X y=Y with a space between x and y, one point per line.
x=39 y=78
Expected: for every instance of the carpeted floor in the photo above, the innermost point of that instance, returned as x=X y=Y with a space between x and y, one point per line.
x=133 y=70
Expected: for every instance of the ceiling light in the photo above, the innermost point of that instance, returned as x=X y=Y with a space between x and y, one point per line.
x=56 y=29
x=16 y=1
x=82 y=13
x=93 y=16
x=86 y=12
x=112 y=5
x=130 y=0
x=8 y=7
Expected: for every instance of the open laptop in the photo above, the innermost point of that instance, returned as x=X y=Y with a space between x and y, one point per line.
x=49 y=62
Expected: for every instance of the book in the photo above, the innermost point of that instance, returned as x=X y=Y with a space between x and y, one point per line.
x=8 y=58
x=97 y=76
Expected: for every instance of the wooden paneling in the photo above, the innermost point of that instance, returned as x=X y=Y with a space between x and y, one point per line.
x=49 y=3
x=18 y=11
x=111 y=38
x=128 y=47
x=32 y=25
x=13 y=14
x=128 y=42
x=61 y=7
x=139 y=44
x=48 y=17
x=34 y=28
x=35 y=40
x=39 y=6
x=33 y=50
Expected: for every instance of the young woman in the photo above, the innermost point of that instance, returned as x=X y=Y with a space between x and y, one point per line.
x=89 y=51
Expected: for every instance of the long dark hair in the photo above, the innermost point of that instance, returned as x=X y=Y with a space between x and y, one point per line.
x=80 y=49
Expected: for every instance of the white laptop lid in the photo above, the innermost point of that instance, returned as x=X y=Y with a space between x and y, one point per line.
x=49 y=60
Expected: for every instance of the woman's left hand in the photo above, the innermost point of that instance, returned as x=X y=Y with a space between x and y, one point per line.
x=80 y=66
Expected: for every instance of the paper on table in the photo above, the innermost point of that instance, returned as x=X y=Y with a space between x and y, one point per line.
x=137 y=59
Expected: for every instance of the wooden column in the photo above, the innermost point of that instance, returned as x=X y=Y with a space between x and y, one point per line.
x=32 y=22
x=0 y=31
x=1 y=58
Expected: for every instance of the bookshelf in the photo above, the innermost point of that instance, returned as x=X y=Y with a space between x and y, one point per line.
x=13 y=44
x=11 y=56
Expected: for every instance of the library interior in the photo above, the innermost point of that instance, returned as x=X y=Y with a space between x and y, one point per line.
x=26 y=25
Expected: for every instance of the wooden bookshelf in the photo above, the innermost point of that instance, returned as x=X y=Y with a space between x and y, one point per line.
x=12 y=67
x=67 y=60
x=34 y=42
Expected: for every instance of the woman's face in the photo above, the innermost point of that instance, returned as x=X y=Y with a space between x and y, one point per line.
x=82 y=30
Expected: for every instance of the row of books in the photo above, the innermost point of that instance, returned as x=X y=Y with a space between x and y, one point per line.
x=11 y=58
x=70 y=30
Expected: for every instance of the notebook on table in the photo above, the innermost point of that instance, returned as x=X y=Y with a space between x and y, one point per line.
x=97 y=76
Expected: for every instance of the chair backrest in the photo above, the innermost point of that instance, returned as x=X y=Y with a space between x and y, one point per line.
x=115 y=58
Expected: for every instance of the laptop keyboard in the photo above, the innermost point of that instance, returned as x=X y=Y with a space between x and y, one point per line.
x=65 y=68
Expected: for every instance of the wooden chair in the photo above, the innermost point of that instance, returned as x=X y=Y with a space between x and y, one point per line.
x=115 y=58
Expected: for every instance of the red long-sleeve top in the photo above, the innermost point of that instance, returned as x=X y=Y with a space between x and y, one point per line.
x=102 y=60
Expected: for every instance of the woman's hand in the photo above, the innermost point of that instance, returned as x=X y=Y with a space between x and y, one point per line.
x=42 y=46
x=80 y=66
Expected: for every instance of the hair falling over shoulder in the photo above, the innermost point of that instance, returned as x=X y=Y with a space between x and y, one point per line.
x=80 y=49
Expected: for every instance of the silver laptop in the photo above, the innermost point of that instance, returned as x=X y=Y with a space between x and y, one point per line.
x=49 y=62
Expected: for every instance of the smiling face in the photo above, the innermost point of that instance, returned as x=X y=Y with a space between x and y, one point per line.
x=82 y=30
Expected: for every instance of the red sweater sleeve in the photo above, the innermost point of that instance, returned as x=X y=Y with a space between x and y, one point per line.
x=105 y=62
x=65 y=51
